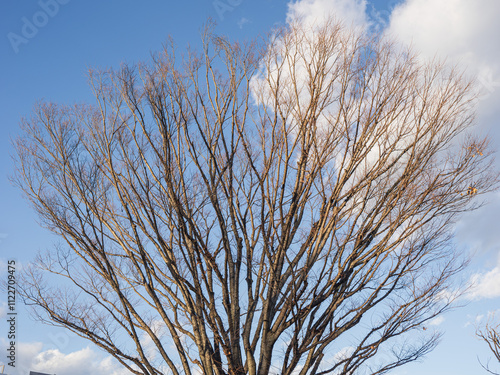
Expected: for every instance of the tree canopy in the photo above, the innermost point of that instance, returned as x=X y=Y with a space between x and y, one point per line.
x=256 y=209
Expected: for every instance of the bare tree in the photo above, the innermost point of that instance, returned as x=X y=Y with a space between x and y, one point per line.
x=489 y=334
x=245 y=212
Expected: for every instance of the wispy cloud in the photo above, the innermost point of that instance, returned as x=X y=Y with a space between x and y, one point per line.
x=242 y=22
x=460 y=31
x=485 y=285
x=437 y=321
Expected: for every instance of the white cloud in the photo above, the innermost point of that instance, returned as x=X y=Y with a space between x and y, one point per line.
x=437 y=321
x=485 y=285
x=314 y=12
x=298 y=370
x=242 y=22
x=479 y=318
x=460 y=31
x=453 y=28
x=32 y=357
x=465 y=33
x=343 y=353
x=475 y=321
x=159 y=329
x=478 y=321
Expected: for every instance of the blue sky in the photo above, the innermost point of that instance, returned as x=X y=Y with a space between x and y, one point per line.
x=47 y=46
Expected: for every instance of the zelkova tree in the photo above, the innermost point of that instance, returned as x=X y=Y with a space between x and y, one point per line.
x=245 y=212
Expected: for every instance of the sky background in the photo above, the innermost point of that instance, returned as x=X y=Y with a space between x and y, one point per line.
x=47 y=46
